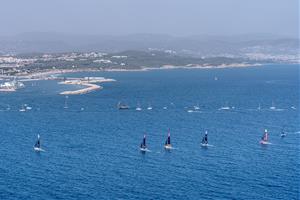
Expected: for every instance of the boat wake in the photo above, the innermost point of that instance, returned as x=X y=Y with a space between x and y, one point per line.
x=294 y=133
x=277 y=109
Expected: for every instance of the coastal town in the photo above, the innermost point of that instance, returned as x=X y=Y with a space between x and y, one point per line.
x=16 y=68
x=30 y=64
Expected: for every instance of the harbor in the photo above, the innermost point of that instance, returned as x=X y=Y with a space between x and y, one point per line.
x=11 y=86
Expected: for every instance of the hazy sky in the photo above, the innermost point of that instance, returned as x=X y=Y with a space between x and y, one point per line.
x=175 y=17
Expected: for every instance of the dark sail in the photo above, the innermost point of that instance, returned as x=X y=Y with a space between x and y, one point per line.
x=38 y=143
x=205 y=139
x=169 y=139
x=144 y=141
x=143 y=144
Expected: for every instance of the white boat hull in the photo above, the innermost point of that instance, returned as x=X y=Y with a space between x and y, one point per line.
x=264 y=142
x=38 y=149
x=224 y=108
x=144 y=149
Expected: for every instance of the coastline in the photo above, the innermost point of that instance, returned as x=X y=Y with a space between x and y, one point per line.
x=46 y=74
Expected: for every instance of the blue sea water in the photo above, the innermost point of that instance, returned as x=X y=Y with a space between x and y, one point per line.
x=94 y=153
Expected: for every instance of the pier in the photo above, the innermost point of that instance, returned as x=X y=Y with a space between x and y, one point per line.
x=89 y=82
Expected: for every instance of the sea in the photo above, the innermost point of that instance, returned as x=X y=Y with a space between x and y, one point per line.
x=91 y=148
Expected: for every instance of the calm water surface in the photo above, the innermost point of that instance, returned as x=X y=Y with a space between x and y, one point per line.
x=94 y=154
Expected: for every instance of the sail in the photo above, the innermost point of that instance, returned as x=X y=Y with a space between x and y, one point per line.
x=169 y=139
x=205 y=138
x=265 y=137
x=38 y=143
x=143 y=144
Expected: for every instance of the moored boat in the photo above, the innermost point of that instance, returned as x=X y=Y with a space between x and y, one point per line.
x=138 y=107
x=122 y=106
x=283 y=133
x=149 y=107
x=273 y=106
x=22 y=109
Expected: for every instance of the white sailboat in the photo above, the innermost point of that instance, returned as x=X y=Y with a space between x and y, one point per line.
x=226 y=107
x=273 y=106
x=197 y=107
x=27 y=107
x=149 y=107
x=22 y=109
x=66 y=102
x=138 y=107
